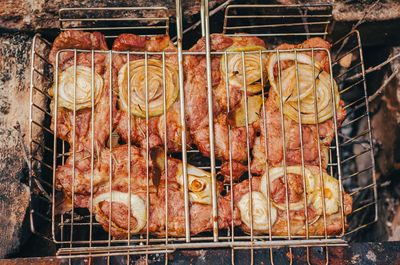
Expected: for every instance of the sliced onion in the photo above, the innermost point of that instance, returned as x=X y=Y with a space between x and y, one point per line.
x=331 y=186
x=83 y=92
x=155 y=85
x=237 y=116
x=138 y=207
x=311 y=222
x=259 y=209
x=279 y=172
x=252 y=64
x=199 y=184
x=306 y=81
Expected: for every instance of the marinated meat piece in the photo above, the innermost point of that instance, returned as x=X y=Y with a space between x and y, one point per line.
x=72 y=39
x=199 y=185
x=277 y=205
x=156 y=125
x=196 y=102
x=238 y=170
x=199 y=181
x=200 y=215
x=272 y=131
x=75 y=39
x=319 y=55
x=78 y=185
x=117 y=158
x=238 y=140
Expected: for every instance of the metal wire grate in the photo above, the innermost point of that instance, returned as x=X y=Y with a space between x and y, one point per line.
x=115 y=20
x=351 y=158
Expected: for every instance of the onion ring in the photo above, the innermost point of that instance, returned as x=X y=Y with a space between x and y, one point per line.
x=199 y=184
x=155 y=84
x=306 y=88
x=260 y=211
x=331 y=186
x=83 y=93
x=252 y=64
x=138 y=207
x=279 y=172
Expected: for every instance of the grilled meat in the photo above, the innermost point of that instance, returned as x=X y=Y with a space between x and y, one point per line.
x=72 y=39
x=197 y=103
x=156 y=126
x=314 y=150
x=277 y=204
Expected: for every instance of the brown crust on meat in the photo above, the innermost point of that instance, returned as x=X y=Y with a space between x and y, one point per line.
x=132 y=42
x=292 y=147
x=297 y=218
x=76 y=39
x=155 y=126
x=73 y=39
x=196 y=100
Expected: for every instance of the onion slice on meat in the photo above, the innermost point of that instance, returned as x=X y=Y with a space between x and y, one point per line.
x=331 y=192
x=306 y=78
x=199 y=184
x=237 y=116
x=83 y=92
x=260 y=211
x=138 y=207
x=253 y=67
x=279 y=172
x=155 y=84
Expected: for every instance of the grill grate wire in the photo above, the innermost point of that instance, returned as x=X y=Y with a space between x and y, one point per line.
x=350 y=148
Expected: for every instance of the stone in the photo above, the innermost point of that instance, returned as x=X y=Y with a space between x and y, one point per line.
x=344 y=10
x=14 y=106
x=42 y=14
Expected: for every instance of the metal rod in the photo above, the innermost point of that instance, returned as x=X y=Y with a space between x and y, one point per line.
x=348 y=70
x=113 y=19
x=30 y=130
x=230 y=153
x=268 y=182
x=141 y=240
x=352 y=139
x=42 y=146
x=182 y=120
x=276 y=243
x=211 y=124
x=349 y=87
x=110 y=160
x=53 y=230
x=248 y=152
x=283 y=144
x=73 y=150
x=301 y=144
x=42 y=110
x=147 y=152
x=202 y=18
x=357 y=173
x=165 y=154
x=354 y=120
x=280 y=34
x=369 y=124
x=116 y=28
x=278 y=25
x=278 y=16
x=129 y=144
x=42 y=92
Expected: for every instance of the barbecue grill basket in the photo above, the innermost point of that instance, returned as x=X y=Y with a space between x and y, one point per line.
x=77 y=233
